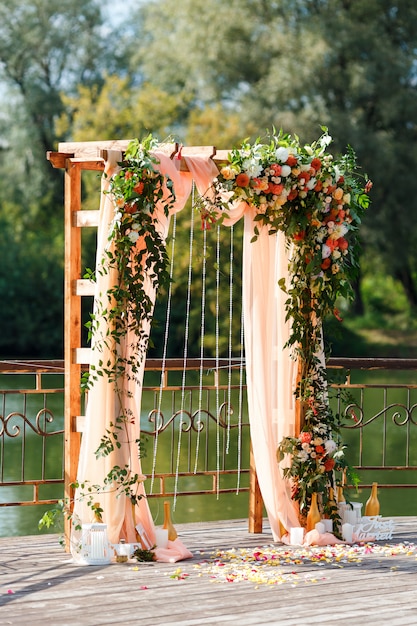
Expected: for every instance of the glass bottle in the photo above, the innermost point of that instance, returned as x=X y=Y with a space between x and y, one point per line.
x=340 y=495
x=372 y=505
x=313 y=515
x=122 y=555
x=168 y=525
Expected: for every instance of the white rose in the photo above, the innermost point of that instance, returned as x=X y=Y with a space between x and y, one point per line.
x=133 y=236
x=282 y=154
x=330 y=446
x=285 y=170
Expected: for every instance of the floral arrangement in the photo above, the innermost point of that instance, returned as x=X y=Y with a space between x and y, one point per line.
x=317 y=201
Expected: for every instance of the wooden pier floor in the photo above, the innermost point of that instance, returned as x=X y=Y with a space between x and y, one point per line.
x=233 y=578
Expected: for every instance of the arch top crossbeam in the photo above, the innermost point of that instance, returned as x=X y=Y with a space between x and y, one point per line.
x=95 y=152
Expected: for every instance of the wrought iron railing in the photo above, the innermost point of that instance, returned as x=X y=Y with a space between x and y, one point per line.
x=196 y=443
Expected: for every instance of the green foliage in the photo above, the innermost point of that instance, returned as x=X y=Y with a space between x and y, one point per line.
x=210 y=73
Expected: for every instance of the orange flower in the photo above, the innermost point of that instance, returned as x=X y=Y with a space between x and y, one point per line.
x=338 y=193
x=320 y=450
x=331 y=243
x=316 y=164
x=130 y=207
x=326 y=264
x=128 y=175
x=276 y=168
x=329 y=465
x=305 y=437
x=304 y=175
x=275 y=189
x=291 y=161
x=138 y=188
x=242 y=180
x=292 y=195
x=342 y=243
x=318 y=186
x=299 y=236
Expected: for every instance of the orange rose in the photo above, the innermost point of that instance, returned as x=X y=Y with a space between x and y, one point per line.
x=316 y=164
x=338 y=193
x=138 y=188
x=331 y=243
x=304 y=175
x=305 y=437
x=292 y=195
x=130 y=207
x=275 y=189
x=329 y=465
x=325 y=264
x=276 y=168
x=318 y=186
x=342 y=243
x=242 y=180
x=291 y=161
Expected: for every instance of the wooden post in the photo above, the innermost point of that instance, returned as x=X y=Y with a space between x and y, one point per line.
x=299 y=407
x=72 y=331
x=255 y=498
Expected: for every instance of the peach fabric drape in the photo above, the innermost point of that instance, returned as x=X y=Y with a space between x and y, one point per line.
x=103 y=402
x=270 y=371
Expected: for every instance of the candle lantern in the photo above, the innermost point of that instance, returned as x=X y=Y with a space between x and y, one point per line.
x=95 y=547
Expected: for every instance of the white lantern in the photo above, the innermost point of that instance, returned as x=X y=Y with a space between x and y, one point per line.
x=95 y=547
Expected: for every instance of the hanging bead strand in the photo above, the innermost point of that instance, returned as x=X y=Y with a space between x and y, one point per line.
x=186 y=335
x=217 y=362
x=230 y=341
x=202 y=338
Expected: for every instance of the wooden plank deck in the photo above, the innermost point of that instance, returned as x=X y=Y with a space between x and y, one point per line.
x=363 y=584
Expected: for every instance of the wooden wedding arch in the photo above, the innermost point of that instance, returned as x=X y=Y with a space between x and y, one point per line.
x=75 y=158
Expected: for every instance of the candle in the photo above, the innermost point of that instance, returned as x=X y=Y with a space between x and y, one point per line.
x=296 y=536
x=357 y=507
x=328 y=525
x=350 y=517
x=161 y=537
x=347 y=532
x=320 y=527
x=97 y=545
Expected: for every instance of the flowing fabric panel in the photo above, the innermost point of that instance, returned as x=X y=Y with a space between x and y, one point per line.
x=103 y=404
x=270 y=370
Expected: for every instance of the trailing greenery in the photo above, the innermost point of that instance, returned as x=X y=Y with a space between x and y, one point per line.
x=317 y=201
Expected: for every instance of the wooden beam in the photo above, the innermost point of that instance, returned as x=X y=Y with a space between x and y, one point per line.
x=72 y=332
x=92 y=154
x=58 y=159
x=255 y=499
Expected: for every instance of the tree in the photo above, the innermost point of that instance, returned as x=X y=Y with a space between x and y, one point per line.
x=364 y=83
x=46 y=47
x=346 y=64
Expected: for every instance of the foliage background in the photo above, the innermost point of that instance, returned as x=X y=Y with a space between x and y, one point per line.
x=206 y=72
